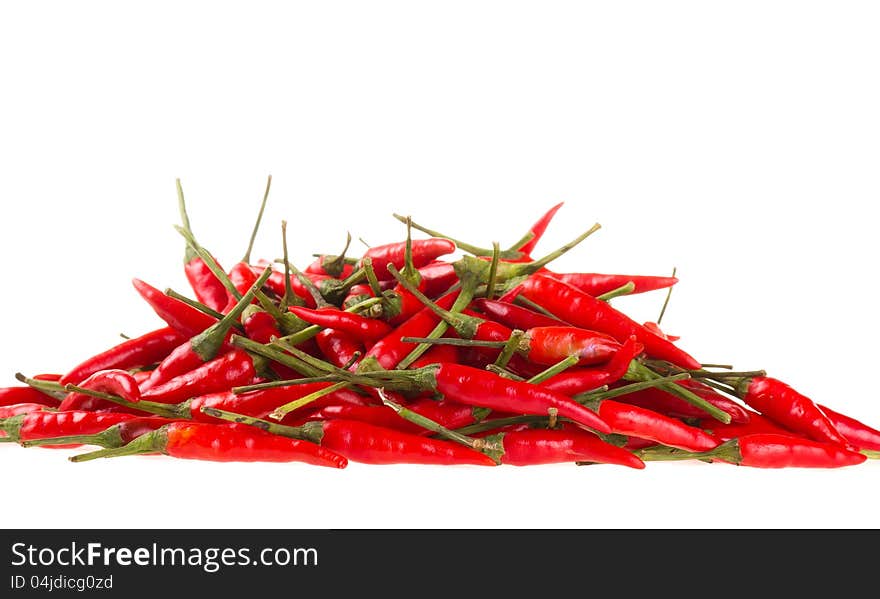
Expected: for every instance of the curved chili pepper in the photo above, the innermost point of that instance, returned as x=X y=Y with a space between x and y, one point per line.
x=546 y=446
x=485 y=389
x=655 y=328
x=20 y=408
x=222 y=443
x=537 y=231
x=549 y=345
x=364 y=329
x=585 y=311
x=424 y=251
x=856 y=433
x=132 y=353
x=788 y=408
x=116 y=382
x=10 y=396
x=390 y=350
x=44 y=425
x=184 y=319
x=596 y=284
x=513 y=316
x=635 y=421
x=339 y=347
x=230 y=370
x=581 y=380
x=767 y=450
x=661 y=401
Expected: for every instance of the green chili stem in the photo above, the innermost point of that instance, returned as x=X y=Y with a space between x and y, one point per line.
x=209 y=262
x=493 y=270
x=488 y=425
x=639 y=372
x=280 y=412
x=276 y=355
x=287 y=383
x=194 y=304
x=622 y=290
x=151 y=407
x=534 y=306
x=666 y=301
x=50 y=388
x=503 y=372
x=560 y=366
x=464 y=246
x=510 y=348
x=597 y=395
x=247 y=255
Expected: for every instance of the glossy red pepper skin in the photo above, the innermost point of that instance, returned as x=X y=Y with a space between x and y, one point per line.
x=318 y=267
x=184 y=319
x=513 y=316
x=661 y=401
x=790 y=409
x=339 y=348
x=207 y=287
x=782 y=451
x=485 y=389
x=242 y=277
x=275 y=282
x=545 y=446
x=437 y=354
x=424 y=251
x=131 y=353
x=233 y=443
x=371 y=444
x=115 y=382
x=377 y=415
x=47 y=425
x=180 y=361
x=259 y=326
x=357 y=294
x=232 y=369
x=635 y=421
x=549 y=345
x=20 y=408
x=537 y=230
x=596 y=284
x=368 y=330
x=260 y=403
x=10 y=396
x=390 y=350
x=585 y=311
x=855 y=432
x=436 y=278
x=581 y=380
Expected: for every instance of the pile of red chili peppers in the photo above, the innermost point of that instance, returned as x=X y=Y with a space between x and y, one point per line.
x=403 y=355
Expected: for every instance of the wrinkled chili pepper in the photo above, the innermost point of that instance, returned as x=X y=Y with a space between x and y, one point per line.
x=116 y=382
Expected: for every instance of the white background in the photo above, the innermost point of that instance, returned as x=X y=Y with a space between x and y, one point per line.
x=736 y=141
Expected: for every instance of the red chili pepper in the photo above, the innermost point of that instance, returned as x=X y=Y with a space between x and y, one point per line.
x=259 y=404
x=115 y=382
x=856 y=433
x=371 y=444
x=116 y=435
x=424 y=251
x=184 y=319
x=390 y=350
x=769 y=451
x=321 y=264
x=356 y=295
x=376 y=415
x=581 y=380
x=788 y=408
x=596 y=284
x=364 y=329
x=549 y=345
x=339 y=347
x=537 y=230
x=10 y=396
x=513 y=316
x=485 y=389
x=756 y=424
x=585 y=311
x=44 y=425
x=230 y=370
x=544 y=446
x=259 y=325
x=20 y=408
x=242 y=277
x=437 y=354
x=207 y=287
x=635 y=421
x=655 y=328
x=222 y=443
x=661 y=401
x=132 y=353
x=437 y=277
